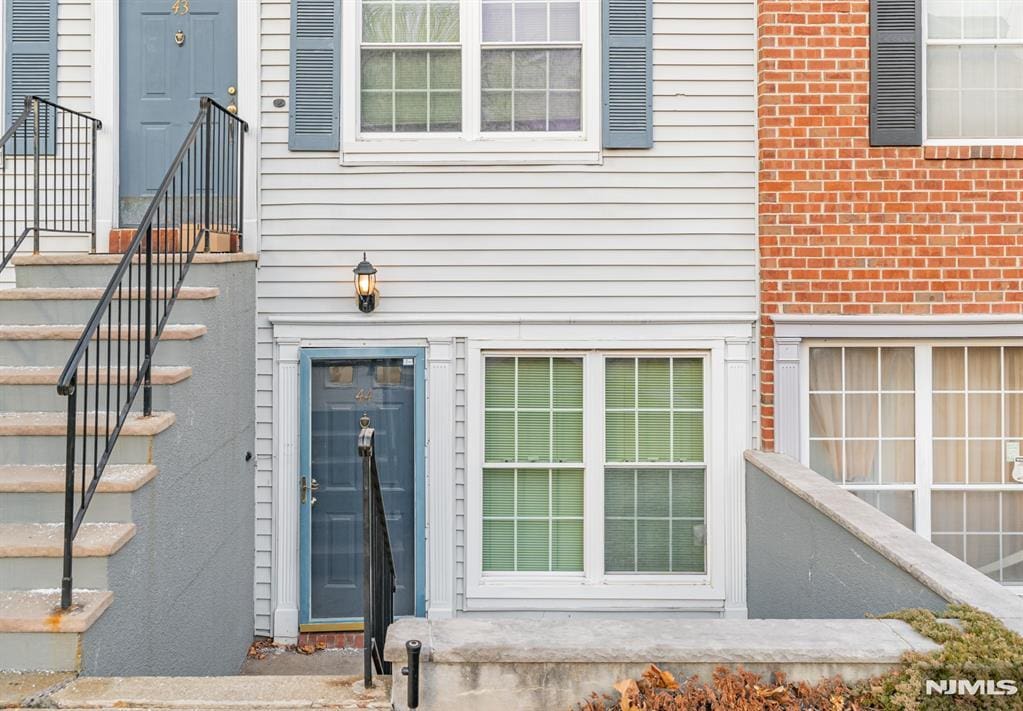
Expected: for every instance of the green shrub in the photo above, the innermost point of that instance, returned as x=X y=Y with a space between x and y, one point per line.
x=977 y=647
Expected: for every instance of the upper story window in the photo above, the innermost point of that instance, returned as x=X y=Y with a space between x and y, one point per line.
x=467 y=80
x=974 y=85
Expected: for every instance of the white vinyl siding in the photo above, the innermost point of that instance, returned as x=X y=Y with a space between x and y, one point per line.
x=665 y=231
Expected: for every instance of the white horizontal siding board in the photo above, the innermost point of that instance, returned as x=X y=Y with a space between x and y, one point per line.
x=675 y=224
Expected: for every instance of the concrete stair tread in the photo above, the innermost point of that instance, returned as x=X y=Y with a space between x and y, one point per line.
x=210 y=692
x=39 y=610
x=49 y=479
x=46 y=540
x=187 y=293
x=35 y=375
x=41 y=424
x=102 y=259
x=174 y=332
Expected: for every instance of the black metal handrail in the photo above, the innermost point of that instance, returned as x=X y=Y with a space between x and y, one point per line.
x=378 y=581
x=47 y=176
x=200 y=196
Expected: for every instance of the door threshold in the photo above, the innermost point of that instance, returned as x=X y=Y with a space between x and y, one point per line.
x=331 y=627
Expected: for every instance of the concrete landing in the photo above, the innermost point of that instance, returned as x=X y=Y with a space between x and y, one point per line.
x=21 y=689
x=265 y=692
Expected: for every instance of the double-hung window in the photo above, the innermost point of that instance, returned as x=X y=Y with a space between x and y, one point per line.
x=929 y=433
x=974 y=69
x=543 y=476
x=467 y=80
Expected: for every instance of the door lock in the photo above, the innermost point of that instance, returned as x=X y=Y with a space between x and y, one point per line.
x=305 y=487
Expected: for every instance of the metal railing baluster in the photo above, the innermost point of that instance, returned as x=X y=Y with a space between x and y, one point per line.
x=152 y=278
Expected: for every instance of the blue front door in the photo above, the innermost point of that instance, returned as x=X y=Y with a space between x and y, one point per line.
x=341 y=390
x=172 y=53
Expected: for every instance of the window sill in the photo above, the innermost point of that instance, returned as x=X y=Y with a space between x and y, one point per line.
x=1002 y=151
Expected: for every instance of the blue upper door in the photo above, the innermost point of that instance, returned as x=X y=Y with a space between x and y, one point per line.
x=341 y=391
x=172 y=53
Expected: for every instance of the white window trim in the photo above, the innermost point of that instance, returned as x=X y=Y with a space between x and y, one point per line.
x=471 y=147
x=926 y=44
x=592 y=589
x=923 y=362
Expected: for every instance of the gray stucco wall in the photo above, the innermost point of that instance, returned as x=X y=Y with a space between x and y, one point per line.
x=183 y=586
x=801 y=564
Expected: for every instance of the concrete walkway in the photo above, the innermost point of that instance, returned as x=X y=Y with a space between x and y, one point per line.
x=234 y=692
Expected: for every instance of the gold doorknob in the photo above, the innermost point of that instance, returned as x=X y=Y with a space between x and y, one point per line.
x=231 y=91
x=232 y=108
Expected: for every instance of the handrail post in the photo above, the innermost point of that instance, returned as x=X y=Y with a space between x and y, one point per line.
x=35 y=175
x=208 y=158
x=241 y=189
x=93 y=205
x=147 y=393
x=366 y=453
x=69 y=494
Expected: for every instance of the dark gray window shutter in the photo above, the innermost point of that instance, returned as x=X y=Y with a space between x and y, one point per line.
x=30 y=46
x=314 y=119
x=896 y=78
x=628 y=74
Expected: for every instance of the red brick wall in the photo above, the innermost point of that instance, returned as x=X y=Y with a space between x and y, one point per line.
x=850 y=229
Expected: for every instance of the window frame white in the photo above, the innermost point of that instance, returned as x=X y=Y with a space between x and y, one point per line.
x=926 y=43
x=593 y=588
x=471 y=146
x=924 y=391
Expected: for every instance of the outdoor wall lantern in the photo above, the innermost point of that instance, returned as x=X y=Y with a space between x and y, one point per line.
x=366 y=293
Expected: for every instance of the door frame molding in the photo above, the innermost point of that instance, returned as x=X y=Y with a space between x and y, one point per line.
x=306 y=358
x=106 y=106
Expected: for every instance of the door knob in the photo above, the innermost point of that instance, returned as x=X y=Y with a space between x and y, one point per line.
x=231 y=91
x=232 y=109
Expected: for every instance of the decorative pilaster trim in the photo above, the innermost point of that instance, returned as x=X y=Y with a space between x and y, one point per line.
x=787 y=379
x=285 y=491
x=440 y=479
x=738 y=438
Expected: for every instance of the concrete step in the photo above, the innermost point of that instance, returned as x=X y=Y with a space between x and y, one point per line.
x=240 y=692
x=51 y=345
x=35 y=634
x=35 y=494
x=31 y=554
x=31 y=438
x=45 y=270
x=46 y=540
x=38 y=305
x=34 y=389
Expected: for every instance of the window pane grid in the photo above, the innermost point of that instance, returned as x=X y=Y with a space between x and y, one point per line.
x=862 y=412
x=661 y=532
x=670 y=431
x=975 y=69
x=411 y=67
x=531 y=66
x=540 y=432
x=984 y=529
x=533 y=520
x=978 y=410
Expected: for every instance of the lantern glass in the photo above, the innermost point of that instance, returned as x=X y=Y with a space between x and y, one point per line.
x=365 y=284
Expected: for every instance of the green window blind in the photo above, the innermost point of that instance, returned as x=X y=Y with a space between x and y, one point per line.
x=532 y=520
x=654 y=410
x=654 y=521
x=533 y=416
x=533 y=410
